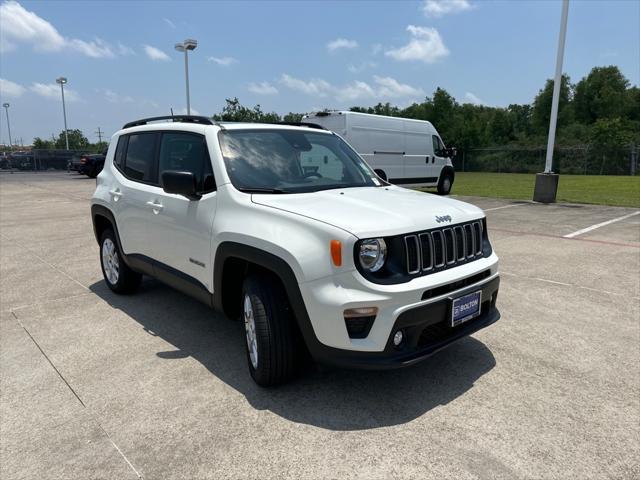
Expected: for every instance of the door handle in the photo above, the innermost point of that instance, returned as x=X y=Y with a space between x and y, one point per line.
x=155 y=206
x=427 y=159
x=115 y=193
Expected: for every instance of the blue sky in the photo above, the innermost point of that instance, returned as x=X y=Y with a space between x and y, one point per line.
x=291 y=56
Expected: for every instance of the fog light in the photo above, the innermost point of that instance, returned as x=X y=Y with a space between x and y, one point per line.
x=398 y=338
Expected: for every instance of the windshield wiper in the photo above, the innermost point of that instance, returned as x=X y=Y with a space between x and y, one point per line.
x=261 y=190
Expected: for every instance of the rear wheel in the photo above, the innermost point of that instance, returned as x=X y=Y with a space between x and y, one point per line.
x=445 y=183
x=118 y=276
x=270 y=334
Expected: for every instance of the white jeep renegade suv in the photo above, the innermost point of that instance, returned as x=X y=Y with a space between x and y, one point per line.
x=289 y=229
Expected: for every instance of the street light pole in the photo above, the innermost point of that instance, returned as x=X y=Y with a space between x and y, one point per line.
x=6 y=109
x=557 y=84
x=188 y=44
x=62 y=81
x=547 y=182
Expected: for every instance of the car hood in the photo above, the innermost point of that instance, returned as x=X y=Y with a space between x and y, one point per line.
x=374 y=211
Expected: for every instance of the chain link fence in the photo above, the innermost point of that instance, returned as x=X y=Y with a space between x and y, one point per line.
x=577 y=160
x=37 y=159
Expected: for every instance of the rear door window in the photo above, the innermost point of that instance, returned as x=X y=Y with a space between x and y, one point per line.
x=140 y=162
x=121 y=149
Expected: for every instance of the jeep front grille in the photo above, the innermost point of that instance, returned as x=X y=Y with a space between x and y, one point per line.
x=443 y=248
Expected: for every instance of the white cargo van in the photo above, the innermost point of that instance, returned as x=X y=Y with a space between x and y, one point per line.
x=402 y=151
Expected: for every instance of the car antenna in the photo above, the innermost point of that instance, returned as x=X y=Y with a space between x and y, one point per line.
x=171 y=108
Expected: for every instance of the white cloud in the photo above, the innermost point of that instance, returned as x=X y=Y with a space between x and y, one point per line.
x=390 y=87
x=473 y=99
x=439 y=8
x=223 y=61
x=425 y=46
x=21 y=26
x=10 y=89
x=312 y=87
x=94 y=49
x=361 y=66
x=339 y=43
x=262 y=88
x=124 y=50
x=113 y=97
x=382 y=87
x=170 y=23
x=155 y=53
x=52 y=90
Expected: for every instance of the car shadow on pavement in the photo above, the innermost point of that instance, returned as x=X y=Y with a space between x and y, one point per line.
x=327 y=398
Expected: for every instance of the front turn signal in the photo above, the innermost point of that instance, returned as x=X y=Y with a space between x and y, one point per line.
x=336 y=252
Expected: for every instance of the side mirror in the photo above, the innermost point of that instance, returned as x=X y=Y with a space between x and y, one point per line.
x=446 y=152
x=180 y=183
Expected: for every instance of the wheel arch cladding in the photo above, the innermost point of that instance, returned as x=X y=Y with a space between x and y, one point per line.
x=244 y=258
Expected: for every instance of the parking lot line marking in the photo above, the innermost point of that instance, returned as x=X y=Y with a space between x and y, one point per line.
x=549 y=235
x=598 y=225
x=74 y=393
x=507 y=206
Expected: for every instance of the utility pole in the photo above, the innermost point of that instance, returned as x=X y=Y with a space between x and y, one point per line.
x=547 y=182
x=99 y=133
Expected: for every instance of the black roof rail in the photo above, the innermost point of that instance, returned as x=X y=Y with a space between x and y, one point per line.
x=303 y=124
x=175 y=118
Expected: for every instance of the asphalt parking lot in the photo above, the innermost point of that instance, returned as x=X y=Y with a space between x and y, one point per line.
x=155 y=385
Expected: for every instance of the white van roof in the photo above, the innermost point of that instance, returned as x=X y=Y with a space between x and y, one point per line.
x=369 y=116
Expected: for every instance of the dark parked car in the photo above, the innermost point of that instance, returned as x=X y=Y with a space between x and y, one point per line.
x=74 y=163
x=90 y=164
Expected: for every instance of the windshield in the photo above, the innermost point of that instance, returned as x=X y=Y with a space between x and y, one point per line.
x=291 y=161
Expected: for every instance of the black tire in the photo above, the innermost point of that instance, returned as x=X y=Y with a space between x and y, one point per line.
x=127 y=281
x=278 y=348
x=93 y=173
x=445 y=184
x=381 y=174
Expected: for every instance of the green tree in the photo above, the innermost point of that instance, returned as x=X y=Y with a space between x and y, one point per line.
x=541 y=112
x=234 y=111
x=293 y=117
x=100 y=147
x=77 y=140
x=39 y=143
x=601 y=94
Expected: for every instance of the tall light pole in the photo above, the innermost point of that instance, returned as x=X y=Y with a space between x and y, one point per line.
x=62 y=81
x=188 y=44
x=547 y=182
x=6 y=109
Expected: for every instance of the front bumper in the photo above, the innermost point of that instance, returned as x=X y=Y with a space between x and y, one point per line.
x=427 y=330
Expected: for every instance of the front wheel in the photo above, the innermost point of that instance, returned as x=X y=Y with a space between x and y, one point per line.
x=269 y=330
x=118 y=276
x=445 y=184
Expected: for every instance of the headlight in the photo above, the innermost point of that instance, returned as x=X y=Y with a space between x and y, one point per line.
x=373 y=253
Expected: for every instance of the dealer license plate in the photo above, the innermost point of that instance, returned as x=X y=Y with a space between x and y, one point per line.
x=465 y=308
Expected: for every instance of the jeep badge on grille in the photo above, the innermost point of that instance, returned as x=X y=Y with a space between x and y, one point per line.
x=444 y=218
